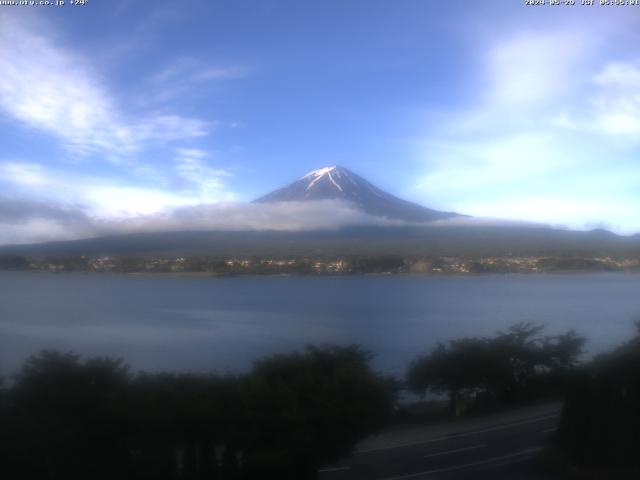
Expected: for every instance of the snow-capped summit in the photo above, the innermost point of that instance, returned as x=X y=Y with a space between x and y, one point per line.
x=321 y=171
x=337 y=182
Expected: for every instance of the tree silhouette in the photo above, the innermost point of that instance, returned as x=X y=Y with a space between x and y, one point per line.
x=311 y=408
x=66 y=418
x=600 y=425
x=506 y=367
x=460 y=369
x=69 y=418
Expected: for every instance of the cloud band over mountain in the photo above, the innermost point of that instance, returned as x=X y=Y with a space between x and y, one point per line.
x=23 y=221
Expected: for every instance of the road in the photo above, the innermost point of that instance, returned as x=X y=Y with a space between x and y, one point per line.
x=500 y=447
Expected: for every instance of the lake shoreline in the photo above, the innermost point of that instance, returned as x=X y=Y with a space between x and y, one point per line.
x=331 y=275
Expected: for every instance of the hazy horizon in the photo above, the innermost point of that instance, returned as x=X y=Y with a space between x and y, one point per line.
x=123 y=114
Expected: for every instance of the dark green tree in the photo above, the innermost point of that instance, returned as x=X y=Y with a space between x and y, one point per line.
x=69 y=418
x=65 y=417
x=600 y=424
x=308 y=409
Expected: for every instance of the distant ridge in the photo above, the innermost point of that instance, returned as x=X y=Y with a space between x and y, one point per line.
x=338 y=183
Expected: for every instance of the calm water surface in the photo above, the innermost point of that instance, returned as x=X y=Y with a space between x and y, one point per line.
x=165 y=322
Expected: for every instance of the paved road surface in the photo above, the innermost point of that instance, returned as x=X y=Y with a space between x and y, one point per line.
x=496 y=448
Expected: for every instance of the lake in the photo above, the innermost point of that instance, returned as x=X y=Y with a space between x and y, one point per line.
x=201 y=323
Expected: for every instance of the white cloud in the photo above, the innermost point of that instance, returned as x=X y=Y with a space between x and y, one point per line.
x=289 y=216
x=550 y=137
x=110 y=200
x=609 y=107
x=620 y=75
x=40 y=230
x=47 y=88
x=487 y=162
x=43 y=222
x=106 y=197
x=26 y=220
x=583 y=211
x=534 y=67
x=617 y=101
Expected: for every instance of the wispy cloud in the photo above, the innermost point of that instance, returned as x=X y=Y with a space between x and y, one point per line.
x=46 y=87
x=190 y=70
x=186 y=78
x=28 y=174
x=199 y=178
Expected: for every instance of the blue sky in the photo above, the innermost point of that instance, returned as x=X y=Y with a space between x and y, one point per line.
x=123 y=109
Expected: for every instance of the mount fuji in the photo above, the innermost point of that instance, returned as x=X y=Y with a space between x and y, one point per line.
x=338 y=183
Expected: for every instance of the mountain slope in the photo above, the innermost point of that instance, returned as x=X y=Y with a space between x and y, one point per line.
x=338 y=183
x=441 y=241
